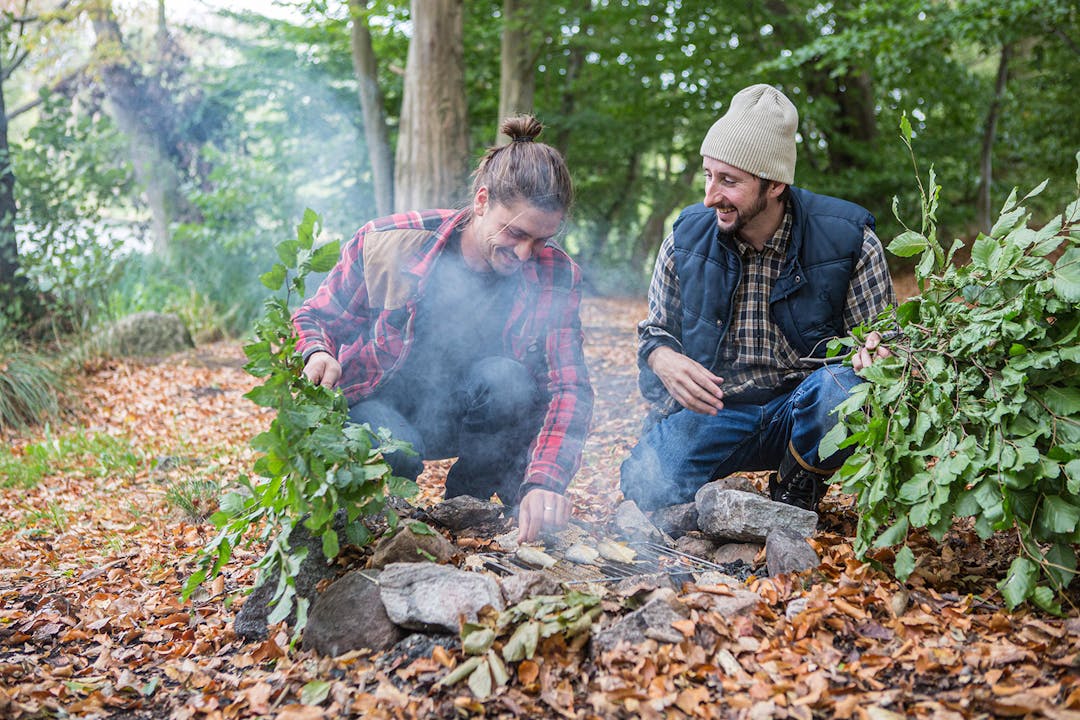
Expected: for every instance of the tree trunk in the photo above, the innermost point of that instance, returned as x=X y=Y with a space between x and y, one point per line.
x=10 y=285
x=574 y=64
x=652 y=231
x=517 y=71
x=376 y=133
x=986 y=156
x=142 y=112
x=432 y=154
x=856 y=122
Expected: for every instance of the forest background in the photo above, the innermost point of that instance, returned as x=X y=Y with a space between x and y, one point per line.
x=154 y=152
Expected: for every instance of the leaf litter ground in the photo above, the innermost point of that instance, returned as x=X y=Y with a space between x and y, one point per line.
x=92 y=559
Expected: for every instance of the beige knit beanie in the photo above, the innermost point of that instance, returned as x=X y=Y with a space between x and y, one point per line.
x=756 y=134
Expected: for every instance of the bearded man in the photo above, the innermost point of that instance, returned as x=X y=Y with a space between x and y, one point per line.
x=747 y=291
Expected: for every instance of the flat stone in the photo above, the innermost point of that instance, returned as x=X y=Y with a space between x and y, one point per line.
x=739 y=602
x=732 y=552
x=430 y=597
x=519 y=586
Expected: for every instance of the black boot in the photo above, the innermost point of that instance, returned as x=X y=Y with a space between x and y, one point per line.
x=795 y=485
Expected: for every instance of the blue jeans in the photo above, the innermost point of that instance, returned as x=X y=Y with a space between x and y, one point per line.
x=685 y=450
x=488 y=423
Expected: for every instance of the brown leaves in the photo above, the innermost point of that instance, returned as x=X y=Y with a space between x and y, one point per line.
x=91 y=622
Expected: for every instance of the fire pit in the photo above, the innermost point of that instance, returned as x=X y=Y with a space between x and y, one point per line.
x=650 y=559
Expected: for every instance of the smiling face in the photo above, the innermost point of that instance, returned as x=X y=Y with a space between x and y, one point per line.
x=742 y=206
x=501 y=238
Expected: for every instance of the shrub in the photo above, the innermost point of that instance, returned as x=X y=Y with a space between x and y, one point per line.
x=978 y=413
x=313 y=461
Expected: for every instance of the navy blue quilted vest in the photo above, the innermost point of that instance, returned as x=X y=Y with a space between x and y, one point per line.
x=807 y=301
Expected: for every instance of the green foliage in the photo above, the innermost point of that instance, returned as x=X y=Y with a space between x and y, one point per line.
x=978 y=413
x=67 y=173
x=97 y=454
x=522 y=628
x=313 y=462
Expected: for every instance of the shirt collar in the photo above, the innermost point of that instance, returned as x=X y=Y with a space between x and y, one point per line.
x=778 y=243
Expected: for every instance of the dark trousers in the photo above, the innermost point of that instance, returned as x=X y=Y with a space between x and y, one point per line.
x=488 y=423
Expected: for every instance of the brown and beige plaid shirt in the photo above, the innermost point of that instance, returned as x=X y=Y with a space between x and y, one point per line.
x=756 y=360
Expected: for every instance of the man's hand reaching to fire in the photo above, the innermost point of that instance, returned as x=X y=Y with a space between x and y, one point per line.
x=541 y=510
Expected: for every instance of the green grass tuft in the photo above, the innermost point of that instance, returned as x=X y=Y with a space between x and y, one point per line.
x=28 y=390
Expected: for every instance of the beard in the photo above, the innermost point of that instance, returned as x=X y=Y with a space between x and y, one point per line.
x=744 y=217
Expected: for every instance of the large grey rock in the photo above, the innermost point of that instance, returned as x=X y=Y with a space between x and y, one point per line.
x=406 y=546
x=350 y=615
x=651 y=621
x=426 y=596
x=464 y=512
x=738 y=515
x=676 y=520
x=148 y=334
x=787 y=551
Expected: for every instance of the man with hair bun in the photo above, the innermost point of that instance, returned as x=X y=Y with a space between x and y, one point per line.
x=458 y=330
x=747 y=291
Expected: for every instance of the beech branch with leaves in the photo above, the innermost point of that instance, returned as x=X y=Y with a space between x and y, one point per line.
x=313 y=462
x=977 y=415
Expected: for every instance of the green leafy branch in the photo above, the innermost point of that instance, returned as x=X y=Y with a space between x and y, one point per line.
x=313 y=462
x=524 y=626
x=977 y=415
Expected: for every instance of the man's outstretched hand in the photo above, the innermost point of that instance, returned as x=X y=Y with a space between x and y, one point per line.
x=541 y=510
x=871 y=350
x=322 y=368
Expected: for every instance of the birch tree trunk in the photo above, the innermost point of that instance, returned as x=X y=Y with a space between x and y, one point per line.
x=432 y=153
x=376 y=133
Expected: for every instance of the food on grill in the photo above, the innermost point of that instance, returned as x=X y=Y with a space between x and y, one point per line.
x=582 y=554
x=615 y=551
x=535 y=557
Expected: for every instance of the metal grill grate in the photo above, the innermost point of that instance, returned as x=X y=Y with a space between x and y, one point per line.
x=651 y=559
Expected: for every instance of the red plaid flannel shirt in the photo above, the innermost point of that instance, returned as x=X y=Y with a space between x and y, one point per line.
x=543 y=331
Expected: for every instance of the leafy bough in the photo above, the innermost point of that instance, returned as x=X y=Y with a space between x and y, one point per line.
x=977 y=415
x=312 y=462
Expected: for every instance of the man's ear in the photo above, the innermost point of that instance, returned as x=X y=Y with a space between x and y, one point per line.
x=480 y=201
x=776 y=189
